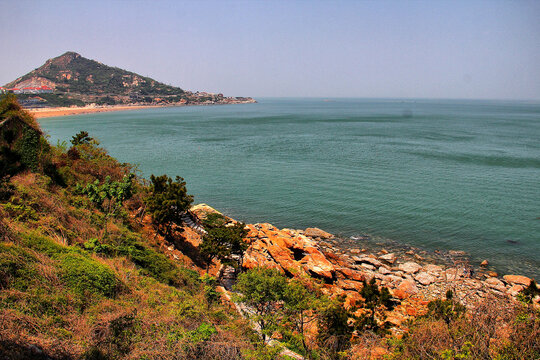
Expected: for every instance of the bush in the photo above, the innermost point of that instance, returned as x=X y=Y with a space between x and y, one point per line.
x=85 y=275
x=167 y=202
x=15 y=267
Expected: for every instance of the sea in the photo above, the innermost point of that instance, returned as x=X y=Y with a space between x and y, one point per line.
x=436 y=175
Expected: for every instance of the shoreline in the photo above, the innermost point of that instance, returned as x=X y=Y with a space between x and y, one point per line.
x=66 y=111
x=80 y=110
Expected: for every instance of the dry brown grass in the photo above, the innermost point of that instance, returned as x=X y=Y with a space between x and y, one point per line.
x=495 y=327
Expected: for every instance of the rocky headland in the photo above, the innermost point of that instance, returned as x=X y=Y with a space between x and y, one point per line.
x=412 y=280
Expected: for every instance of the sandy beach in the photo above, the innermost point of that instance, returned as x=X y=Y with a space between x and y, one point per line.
x=64 y=111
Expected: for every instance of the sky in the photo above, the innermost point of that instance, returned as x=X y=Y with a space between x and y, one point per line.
x=389 y=49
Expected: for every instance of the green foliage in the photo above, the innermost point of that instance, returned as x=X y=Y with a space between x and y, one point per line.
x=28 y=147
x=213 y=220
x=59 y=100
x=262 y=290
x=106 y=100
x=81 y=137
x=16 y=270
x=376 y=302
x=86 y=276
x=150 y=261
x=224 y=241
x=209 y=288
x=464 y=353
x=167 y=201
x=203 y=333
x=110 y=195
x=335 y=332
x=21 y=212
x=42 y=244
x=448 y=310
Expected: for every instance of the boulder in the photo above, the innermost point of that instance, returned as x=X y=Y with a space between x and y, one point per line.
x=517 y=279
x=410 y=267
x=351 y=274
x=317 y=233
x=368 y=266
x=389 y=258
x=424 y=278
x=484 y=263
x=514 y=290
x=367 y=259
x=405 y=289
x=433 y=269
x=495 y=283
x=384 y=271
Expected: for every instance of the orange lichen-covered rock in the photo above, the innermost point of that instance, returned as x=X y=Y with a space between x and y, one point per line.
x=405 y=289
x=292 y=252
x=317 y=233
x=517 y=279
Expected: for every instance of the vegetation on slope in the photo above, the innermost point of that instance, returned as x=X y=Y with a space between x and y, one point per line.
x=82 y=277
x=71 y=290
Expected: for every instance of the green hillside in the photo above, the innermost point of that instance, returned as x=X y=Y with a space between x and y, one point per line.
x=76 y=80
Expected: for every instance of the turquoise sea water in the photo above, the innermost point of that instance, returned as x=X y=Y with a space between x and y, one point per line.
x=436 y=174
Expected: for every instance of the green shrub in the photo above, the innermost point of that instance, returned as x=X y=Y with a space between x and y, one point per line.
x=85 y=275
x=16 y=270
x=447 y=310
x=203 y=333
x=44 y=245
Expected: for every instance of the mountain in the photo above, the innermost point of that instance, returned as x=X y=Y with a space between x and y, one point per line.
x=76 y=80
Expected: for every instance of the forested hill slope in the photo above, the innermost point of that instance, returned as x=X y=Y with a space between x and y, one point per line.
x=83 y=81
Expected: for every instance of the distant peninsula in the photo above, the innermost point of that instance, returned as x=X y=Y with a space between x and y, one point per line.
x=71 y=81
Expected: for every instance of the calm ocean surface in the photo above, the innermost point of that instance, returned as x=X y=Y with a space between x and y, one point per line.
x=435 y=174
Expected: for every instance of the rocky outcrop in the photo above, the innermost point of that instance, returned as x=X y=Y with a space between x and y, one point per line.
x=288 y=251
x=411 y=279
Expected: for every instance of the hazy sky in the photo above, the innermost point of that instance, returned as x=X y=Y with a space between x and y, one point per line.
x=431 y=49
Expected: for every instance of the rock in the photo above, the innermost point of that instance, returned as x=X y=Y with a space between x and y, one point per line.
x=317 y=233
x=517 y=279
x=351 y=274
x=484 y=263
x=457 y=253
x=514 y=290
x=495 y=283
x=492 y=273
x=410 y=267
x=384 y=270
x=405 y=289
x=384 y=251
x=433 y=269
x=424 y=278
x=410 y=252
x=368 y=266
x=367 y=259
x=418 y=257
x=389 y=258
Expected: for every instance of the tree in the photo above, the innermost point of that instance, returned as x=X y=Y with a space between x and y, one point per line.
x=80 y=138
x=335 y=331
x=300 y=304
x=109 y=196
x=167 y=201
x=376 y=302
x=261 y=290
x=223 y=243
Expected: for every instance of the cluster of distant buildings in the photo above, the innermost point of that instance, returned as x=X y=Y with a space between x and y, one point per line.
x=27 y=90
